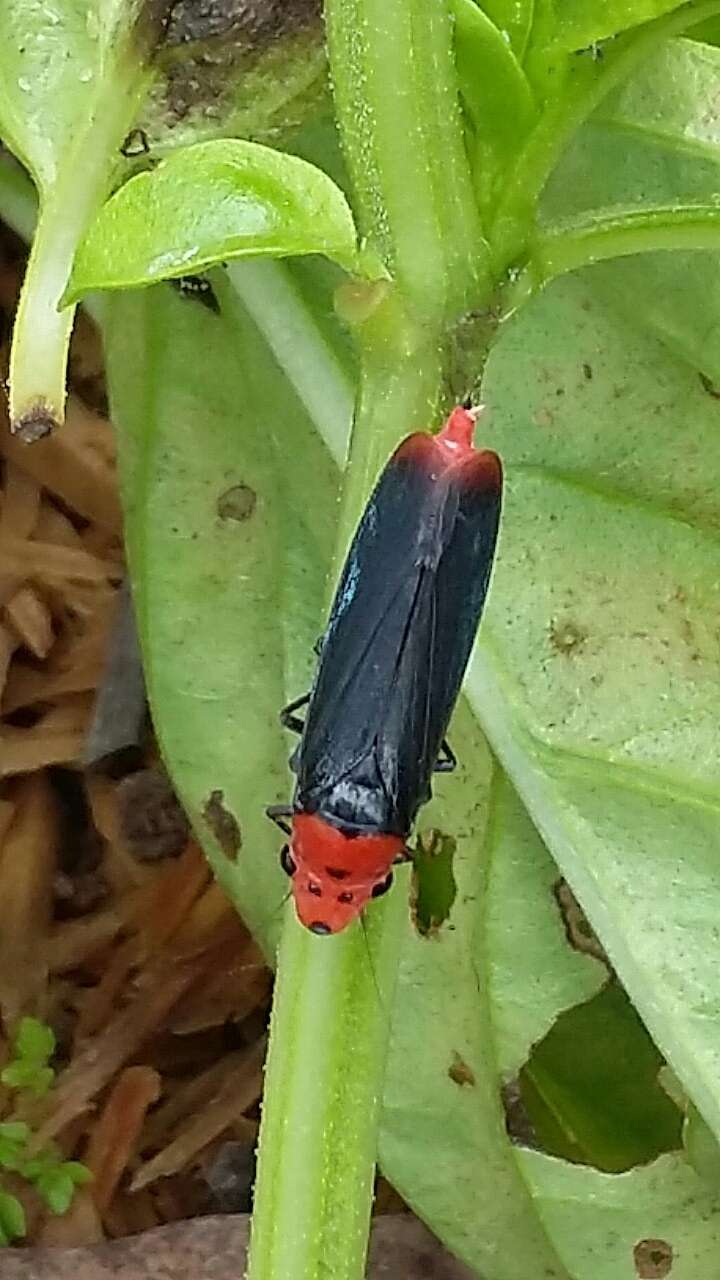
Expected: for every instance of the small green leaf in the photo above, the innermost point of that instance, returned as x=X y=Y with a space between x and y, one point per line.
x=495 y=92
x=14 y=1131
x=35 y=1041
x=56 y=1187
x=79 y=1173
x=12 y=1218
x=27 y=1075
x=513 y=19
x=208 y=204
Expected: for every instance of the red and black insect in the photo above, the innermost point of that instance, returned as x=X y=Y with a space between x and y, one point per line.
x=392 y=660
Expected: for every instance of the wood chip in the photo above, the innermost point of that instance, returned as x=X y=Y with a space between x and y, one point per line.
x=31 y=620
x=27 y=863
x=239 y=1091
x=115 y=1135
x=76 y=462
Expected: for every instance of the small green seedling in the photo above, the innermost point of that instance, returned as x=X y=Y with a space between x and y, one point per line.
x=28 y=1073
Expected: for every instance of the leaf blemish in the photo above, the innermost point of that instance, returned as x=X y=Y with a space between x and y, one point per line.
x=708 y=386
x=237 y=503
x=578 y=930
x=567 y=637
x=223 y=824
x=653 y=1259
x=460 y=1072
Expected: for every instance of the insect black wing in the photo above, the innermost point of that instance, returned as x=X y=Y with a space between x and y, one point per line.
x=399 y=634
x=448 y=612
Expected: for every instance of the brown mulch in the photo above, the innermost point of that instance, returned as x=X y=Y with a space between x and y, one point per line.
x=111 y=929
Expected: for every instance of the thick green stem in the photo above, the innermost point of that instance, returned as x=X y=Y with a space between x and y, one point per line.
x=322 y=1091
x=585 y=87
x=396 y=101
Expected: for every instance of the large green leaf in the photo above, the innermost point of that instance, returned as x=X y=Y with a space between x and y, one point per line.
x=218 y=461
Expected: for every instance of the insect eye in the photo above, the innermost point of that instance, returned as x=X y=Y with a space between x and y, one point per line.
x=382 y=886
x=345 y=897
x=314 y=889
x=286 y=861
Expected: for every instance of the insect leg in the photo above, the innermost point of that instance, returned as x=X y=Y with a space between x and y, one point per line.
x=446 y=761
x=278 y=813
x=288 y=719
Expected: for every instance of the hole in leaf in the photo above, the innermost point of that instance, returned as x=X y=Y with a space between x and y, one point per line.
x=591 y=1087
x=653 y=1258
x=434 y=888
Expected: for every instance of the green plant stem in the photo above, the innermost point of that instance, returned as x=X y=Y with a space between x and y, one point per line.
x=41 y=334
x=586 y=85
x=397 y=109
x=268 y=292
x=564 y=249
x=327 y=1050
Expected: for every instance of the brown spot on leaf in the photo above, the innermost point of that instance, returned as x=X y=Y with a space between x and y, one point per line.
x=580 y=933
x=460 y=1072
x=708 y=386
x=567 y=637
x=135 y=144
x=517 y=1121
x=653 y=1258
x=587 y=372
x=237 y=503
x=223 y=824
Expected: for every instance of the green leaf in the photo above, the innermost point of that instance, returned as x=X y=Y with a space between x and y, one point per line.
x=258 y=636
x=27 y=1075
x=513 y=19
x=490 y=80
x=210 y=203
x=77 y=1172
x=56 y=1187
x=73 y=74
x=14 y=1131
x=12 y=1218
x=580 y=23
x=34 y=1041
x=659 y=1219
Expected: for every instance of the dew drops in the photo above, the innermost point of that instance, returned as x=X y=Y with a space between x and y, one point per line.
x=85 y=75
x=24 y=84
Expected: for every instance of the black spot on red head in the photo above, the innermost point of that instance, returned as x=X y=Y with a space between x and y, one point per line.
x=337 y=873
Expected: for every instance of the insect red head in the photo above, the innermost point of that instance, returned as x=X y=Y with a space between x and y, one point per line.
x=335 y=875
x=456 y=437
